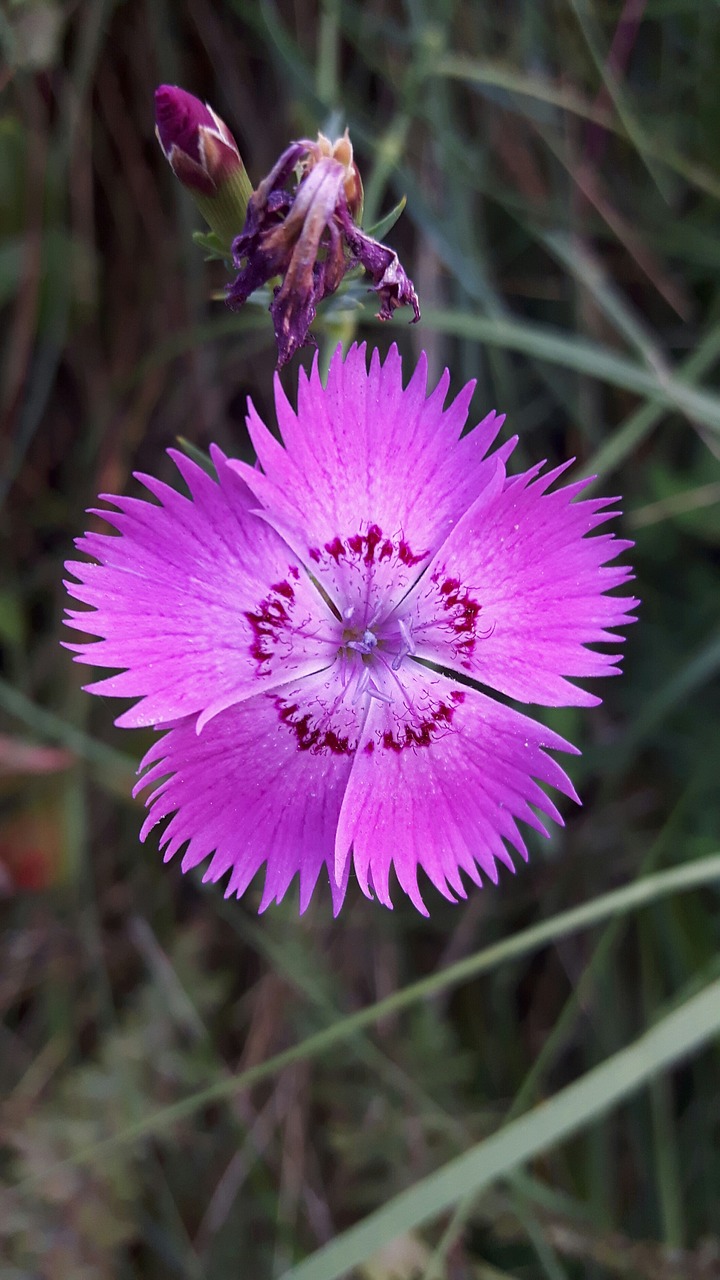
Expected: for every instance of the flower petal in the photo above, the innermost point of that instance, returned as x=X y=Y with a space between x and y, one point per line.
x=247 y=791
x=201 y=602
x=373 y=476
x=390 y=280
x=518 y=593
x=439 y=782
x=257 y=253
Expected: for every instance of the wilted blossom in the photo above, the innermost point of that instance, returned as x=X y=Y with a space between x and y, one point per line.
x=318 y=640
x=308 y=235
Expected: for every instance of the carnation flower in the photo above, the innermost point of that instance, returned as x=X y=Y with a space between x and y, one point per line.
x=319 y=640
x=309 y=237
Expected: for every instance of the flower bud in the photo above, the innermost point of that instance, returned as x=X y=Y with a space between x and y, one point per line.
x=204 y=156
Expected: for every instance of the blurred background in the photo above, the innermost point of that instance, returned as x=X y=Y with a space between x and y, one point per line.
x=562 y=166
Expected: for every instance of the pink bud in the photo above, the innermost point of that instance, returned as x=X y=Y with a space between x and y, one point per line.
x=198 y=145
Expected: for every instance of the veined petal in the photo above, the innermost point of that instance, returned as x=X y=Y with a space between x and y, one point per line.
x=518 y=593
x=200 y=601
x=248 y=793
x=373 y=476
x=441 y=777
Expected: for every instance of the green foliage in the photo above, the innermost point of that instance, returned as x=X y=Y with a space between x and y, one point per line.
x=214 y=248
x=525 y=1085
x=386 y=224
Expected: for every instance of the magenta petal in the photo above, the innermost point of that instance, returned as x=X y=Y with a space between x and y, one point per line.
x=439 y=783
x=373 y=475
x=244 y=792
x=283 y=626
x=179 y=116
x=200 y=602
x=519 y=591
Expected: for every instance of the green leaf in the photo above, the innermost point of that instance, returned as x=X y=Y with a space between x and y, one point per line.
x=679 y=1034
x=640 y=893
x=381 y=228
x=215 y=249
x=544 y=342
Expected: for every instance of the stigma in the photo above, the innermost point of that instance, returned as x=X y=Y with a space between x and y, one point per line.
x=365 y=644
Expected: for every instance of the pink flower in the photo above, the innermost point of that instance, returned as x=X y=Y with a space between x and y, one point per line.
x=310 y=638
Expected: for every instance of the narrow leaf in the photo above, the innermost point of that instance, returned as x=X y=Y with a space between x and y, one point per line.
x=677 y=1036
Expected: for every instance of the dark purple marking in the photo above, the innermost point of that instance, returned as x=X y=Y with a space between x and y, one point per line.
x=365 y=544
x=309 y=736
x=371 y=548
x=270 y=618
x=423 y=734
x=372 y=538
x=335 y=549
x=406 y=555
x=463 y=612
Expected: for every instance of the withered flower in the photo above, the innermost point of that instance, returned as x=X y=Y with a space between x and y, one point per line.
x=301 y=225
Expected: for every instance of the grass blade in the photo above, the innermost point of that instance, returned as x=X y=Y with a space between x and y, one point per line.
x=681 y=1033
